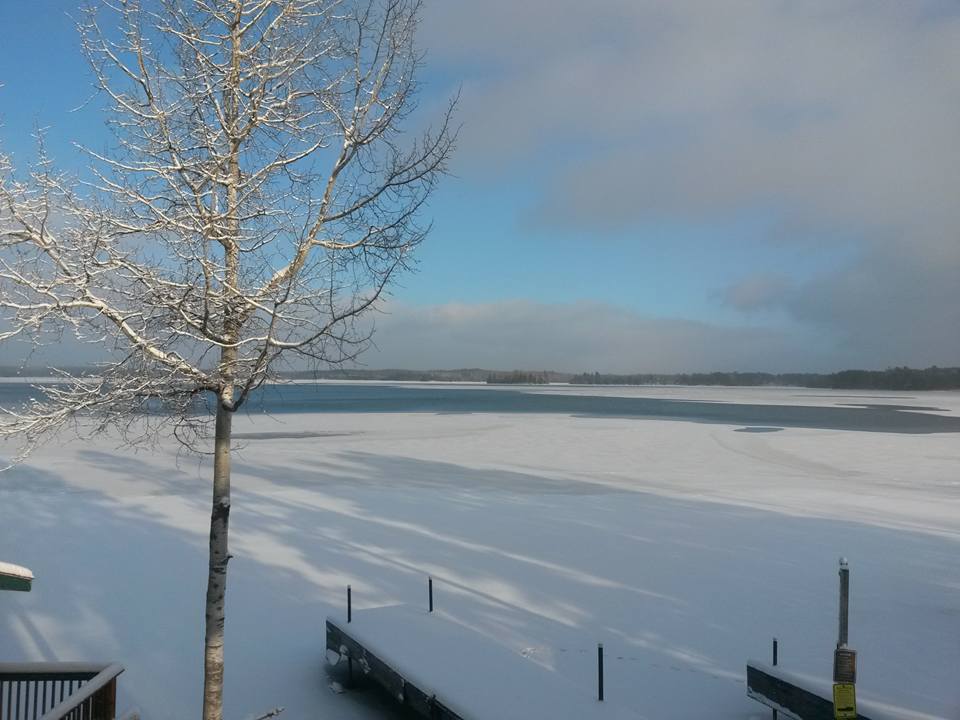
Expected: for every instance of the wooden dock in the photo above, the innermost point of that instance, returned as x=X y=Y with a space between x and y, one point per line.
x=777 y=692
x=440 y=669
x=807 y=698
x=407 y=694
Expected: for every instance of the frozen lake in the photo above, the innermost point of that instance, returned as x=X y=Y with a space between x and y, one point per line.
x=757 y=409
x=681 y=542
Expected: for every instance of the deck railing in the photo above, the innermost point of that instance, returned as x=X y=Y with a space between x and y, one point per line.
x=58 y=691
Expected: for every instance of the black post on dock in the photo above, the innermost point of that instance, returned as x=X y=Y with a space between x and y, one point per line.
x=843 y=634
x=349 y=619
x=430 y=591
x=600 y=672
x=775 y=658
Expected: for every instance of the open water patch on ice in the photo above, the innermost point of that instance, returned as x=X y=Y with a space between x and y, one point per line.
x=903 y=408
x=292 y=435
x=322 y=399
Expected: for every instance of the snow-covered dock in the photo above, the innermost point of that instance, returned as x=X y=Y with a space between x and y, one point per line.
x=14 y=577
x=442 y=669
x=800 y=696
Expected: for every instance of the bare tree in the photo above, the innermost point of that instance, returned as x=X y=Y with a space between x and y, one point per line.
x=257 y=198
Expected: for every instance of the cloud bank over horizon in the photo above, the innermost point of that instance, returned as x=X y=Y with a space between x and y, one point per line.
x=587 y=336
x=581 y=336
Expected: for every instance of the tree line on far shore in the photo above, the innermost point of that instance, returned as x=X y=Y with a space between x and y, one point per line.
x=897 y=378
x=518 y=377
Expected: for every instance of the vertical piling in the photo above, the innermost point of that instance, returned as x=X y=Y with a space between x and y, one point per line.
x=775 y=658
x=430 y=592
x=349 y=619
x=844 y=602
x=844 y=657
x=600 y=672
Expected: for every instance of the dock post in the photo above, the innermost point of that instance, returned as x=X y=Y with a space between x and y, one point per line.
x=600 y=672
x=844 y=603
x=349 y=619
x=844 y=657
x=430 y=591
x=775 y=658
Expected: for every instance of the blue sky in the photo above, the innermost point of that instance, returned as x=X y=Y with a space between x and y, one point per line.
x=675 y=178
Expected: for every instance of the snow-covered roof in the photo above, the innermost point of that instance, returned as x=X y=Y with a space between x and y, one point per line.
x=15 y=571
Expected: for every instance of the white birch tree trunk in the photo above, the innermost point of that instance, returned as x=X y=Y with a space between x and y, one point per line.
x=217 y=570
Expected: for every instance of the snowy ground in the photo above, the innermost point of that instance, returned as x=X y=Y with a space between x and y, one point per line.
x=683 y=547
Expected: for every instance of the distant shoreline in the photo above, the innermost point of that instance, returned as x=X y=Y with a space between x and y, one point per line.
x=900 y=379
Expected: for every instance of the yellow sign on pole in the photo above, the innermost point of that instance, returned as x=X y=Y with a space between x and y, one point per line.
x=844 y=701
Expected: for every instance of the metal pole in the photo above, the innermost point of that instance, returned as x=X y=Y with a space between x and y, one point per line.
x=844 y=602
x=600 y=672
x=430 y=591
x=349 y=619
x=844 y=658
x=775 y=658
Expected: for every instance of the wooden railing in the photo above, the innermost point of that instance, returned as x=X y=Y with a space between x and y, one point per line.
x=58 y=691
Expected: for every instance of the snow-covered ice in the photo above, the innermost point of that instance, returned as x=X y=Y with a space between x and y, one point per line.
x=684 y=547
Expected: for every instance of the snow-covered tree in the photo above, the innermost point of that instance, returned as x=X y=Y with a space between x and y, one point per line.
x=258 y=196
